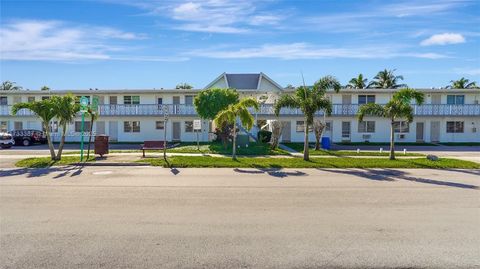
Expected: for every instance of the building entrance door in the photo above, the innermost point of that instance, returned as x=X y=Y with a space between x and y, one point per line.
x=176 y=131
x=434 y=131
x=419 y=135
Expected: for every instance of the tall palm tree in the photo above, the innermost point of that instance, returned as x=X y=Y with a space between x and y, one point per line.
x=309 y=100
x=358 y=83
x=9 y=86
x=462 y=83
x=93 y=117
x=46 y=111
x=240 y=111
x=386 y=79
x=397 y=108
x=65 y=111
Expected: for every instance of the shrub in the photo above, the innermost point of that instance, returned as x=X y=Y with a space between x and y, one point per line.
x=264 y=136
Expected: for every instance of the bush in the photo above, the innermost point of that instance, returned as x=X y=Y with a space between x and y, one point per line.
x=264 y=136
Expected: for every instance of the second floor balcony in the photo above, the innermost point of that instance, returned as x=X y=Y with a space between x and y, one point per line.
x=265 y=110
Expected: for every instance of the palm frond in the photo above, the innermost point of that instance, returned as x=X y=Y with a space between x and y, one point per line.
x=246 y=118
x=370 y=109
x=290 y=101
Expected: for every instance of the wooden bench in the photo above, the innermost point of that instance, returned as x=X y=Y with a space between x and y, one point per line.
x=153 y=145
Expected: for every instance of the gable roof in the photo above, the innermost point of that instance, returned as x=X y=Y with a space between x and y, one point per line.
x=244 y=81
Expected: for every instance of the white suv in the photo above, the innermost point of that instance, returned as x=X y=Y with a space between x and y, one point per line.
x=6 y=140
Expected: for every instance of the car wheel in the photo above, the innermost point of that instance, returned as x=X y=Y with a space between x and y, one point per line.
x=26 y=142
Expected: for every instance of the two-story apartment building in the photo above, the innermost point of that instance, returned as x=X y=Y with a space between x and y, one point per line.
x=135 y=115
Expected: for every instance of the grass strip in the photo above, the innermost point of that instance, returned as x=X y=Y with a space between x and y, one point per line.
x=43 y=162
x=344 y=162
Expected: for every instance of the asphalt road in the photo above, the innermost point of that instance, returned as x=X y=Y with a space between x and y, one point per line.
x=147 y=217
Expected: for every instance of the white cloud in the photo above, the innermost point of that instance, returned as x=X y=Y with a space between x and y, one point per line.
x=468 y=71
x=306 y=51
x=60 y=41
x=443 y=39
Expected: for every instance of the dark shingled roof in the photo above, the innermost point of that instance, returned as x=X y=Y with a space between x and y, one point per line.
x=243 y=81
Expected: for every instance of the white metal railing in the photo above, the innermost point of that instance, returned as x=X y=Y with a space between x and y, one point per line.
x=265 y=110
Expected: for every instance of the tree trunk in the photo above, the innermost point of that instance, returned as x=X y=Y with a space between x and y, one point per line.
x=234 y=151
x=392 y=142
x=49 y=140
x=306 y=155
x=317 y=142
x=90 y=137
x=62 y=142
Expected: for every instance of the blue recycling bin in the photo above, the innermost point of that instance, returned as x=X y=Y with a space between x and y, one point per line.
x=325 y=142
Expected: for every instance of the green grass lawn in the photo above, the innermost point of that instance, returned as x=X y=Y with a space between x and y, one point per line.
x=210 y=148
x=468 y=144
x=344 y=162
x=384 y=144
x=299 y=147
x=42 y=162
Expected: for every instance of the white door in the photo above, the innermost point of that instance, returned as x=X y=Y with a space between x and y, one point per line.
x=346 y=130
x=113 y=130
x=434 y=131
x=419 y=132
x=176 y=131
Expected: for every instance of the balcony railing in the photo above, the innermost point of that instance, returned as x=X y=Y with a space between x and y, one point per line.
x=265 y=110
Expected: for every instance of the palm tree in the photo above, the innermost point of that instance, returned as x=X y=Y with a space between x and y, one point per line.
x=93 y=117
x=183 y=86
x=358 y=82
x=45 y=88
x=397 y=108
x=386 y=79
x=65 y=111
x=46 y=111
x=462 y=83
x=9 y=86
x=234 y=111
x=309 y=100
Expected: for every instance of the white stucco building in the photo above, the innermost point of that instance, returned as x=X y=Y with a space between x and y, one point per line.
x=136 y=115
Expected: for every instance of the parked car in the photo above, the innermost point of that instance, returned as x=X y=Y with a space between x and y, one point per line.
x=6 y=140
x=28 y=137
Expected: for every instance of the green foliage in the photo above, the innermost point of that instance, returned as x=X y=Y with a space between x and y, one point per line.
x=358 y=83
x=463 y=83
x=43 y=162
x=183 y=86
x=9 y=86
x=209 y=102
x=264 y=136
x=386 y=79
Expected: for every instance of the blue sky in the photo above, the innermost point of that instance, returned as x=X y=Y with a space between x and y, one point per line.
x=158 y=44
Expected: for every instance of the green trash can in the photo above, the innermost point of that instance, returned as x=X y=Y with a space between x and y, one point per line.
x=242 y=140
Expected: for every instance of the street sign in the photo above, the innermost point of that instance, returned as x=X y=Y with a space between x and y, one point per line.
x=197 y=125
x=83 y=104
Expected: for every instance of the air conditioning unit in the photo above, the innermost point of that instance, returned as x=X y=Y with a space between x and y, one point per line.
x=476 y=102
x=366 y=137
x=401 y=136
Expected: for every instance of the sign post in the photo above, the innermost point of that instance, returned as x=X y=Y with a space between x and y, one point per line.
x=83 y=109
x=165 y=120
x=197 y=127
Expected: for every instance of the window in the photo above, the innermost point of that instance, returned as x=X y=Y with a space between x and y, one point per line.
x=45 y=97
x=31 y=99
x=3 y=100
x=188 y=126
x=455 y=99
x=401 y=127
x=131 y=126
x=189 y=100
x=159 y=100
x=18 y=125
x=301 y=127
x=160 y=125
x=112 y=100
x=78 y=126
x=366 y=99
x=17 y=99
x=3 y=126
x=366 y=127
x=328 y=126
x=131 y=100
x=455 y=126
